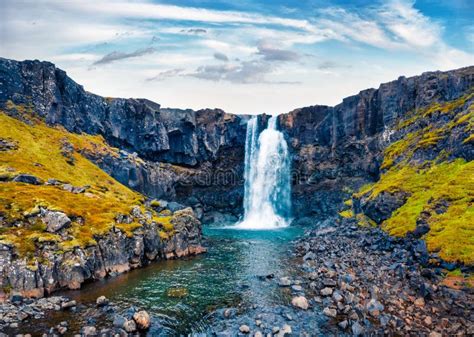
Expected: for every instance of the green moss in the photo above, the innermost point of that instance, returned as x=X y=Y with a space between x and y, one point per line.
x=39 y=153
x=346 y=213
x=452 y=232
x=365 y=221
x=154 y=203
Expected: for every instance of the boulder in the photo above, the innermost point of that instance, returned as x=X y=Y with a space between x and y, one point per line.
x=54 y=220
x=27 y=179
x=102 y=301
x=142 y=318
x=244 y=328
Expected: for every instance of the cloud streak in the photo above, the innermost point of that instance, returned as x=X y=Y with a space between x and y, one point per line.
x=117 y=56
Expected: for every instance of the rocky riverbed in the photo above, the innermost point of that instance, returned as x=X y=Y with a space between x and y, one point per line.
x=347 y=280
x=363 y=282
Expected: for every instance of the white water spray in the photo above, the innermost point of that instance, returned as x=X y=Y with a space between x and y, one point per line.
x=267 y=197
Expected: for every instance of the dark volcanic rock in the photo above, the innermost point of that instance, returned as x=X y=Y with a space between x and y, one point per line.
x=343 y=145
x=114 y=253
x=331 y=147
x=210 y=140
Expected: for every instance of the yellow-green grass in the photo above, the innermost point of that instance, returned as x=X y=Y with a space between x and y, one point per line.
x=452 y=232
x=442 y=108
x=39 y=153
x=431 y=135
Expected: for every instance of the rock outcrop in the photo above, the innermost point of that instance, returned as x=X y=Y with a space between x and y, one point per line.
x=342 y=146
x=114 y=253
x=208 y=144
x=196 y=157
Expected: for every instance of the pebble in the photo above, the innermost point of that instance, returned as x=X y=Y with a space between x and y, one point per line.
x=244 y=328
x=102 y=301
x=330 y=312
x=300 y=302
x=284 y=282
x=142 y=319
x=89 y=331
x=420 y=302
x=326 y=291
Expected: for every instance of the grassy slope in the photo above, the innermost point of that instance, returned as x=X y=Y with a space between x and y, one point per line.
x=431 y=183
x=39 y=152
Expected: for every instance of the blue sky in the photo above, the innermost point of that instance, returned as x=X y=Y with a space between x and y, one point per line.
x=242 y=56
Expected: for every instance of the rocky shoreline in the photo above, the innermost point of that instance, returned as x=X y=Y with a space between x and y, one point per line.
x=363 y=283
x=351 y=280
x=370 y=283
x=114 y=253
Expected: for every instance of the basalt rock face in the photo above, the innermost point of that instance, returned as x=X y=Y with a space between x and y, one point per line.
x=343 y=145
x=205 y=141
x=197 y=157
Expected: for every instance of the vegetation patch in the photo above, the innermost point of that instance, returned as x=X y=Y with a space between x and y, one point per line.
x=441 y=191
x=40 y=151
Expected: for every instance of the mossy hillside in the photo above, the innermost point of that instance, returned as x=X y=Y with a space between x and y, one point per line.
x=422 y=132
x=441 y=190
x=452 y=231
x=40 y=152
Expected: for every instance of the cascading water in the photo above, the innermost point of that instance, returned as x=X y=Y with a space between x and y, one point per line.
x=267 y=196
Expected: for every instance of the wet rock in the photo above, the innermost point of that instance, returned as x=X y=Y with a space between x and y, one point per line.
x=300 y=302
x=244 y=329
x=285 y=331
x=297 y=288
x=119 y=321
x=258 y=334
x=142 y=318
x=68 y=305
x=284 y=282
x=102 y=301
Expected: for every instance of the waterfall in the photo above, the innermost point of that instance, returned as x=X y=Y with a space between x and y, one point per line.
x=267 y=195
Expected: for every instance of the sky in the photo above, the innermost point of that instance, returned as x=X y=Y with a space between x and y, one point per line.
x=239 y=55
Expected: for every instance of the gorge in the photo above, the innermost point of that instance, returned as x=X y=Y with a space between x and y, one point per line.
x=377 y=191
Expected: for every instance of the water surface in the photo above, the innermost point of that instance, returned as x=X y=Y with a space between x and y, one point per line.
x=237 y=269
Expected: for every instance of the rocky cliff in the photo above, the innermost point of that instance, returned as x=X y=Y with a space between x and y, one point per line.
x=207 y=144
x=338 y=149
x=64 y=221
x=196 y=157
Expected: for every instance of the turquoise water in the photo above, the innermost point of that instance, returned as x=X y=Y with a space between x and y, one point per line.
x=232 y=272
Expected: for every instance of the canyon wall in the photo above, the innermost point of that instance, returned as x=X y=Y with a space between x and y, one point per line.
x=338 y=149
x=196 y=157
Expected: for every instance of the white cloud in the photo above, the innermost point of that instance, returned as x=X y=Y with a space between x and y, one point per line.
x=75 y=34
x=409 y=24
